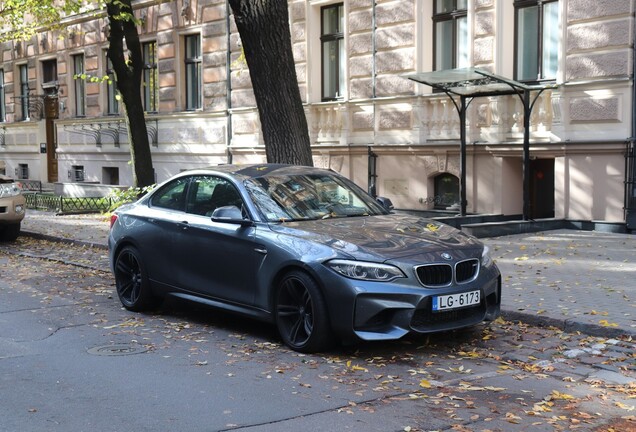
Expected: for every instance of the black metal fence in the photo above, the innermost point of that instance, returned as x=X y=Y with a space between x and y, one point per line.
x=31 y=185
x=59 y=204
x=630 y=185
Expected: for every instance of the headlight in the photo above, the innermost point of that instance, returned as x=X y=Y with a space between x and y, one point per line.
x=486 y=259
x=365 y=270
x=9 y=189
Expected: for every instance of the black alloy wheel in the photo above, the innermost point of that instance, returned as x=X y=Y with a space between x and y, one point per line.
x=301 y=314
x=131 y=281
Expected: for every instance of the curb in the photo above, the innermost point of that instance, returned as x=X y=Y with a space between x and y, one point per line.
x=52 y=238
x=568 y=325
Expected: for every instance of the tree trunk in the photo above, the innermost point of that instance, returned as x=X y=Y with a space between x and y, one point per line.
x=264 y=29
x=128 y=80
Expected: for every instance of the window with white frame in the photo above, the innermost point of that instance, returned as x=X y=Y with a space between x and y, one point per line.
x=333 y=51
x=450 y=34
x=3 y=107
x=23 y=72
x=536 y=39
x=150 y=77
x=112 y=103
x=79 y=85
x=192 y=72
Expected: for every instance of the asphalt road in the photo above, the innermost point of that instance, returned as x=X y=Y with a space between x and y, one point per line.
x=71 y=359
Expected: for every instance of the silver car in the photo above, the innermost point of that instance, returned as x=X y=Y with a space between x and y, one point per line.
x=303 y=248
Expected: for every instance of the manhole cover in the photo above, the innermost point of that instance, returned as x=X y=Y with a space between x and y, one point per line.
x=117 y=350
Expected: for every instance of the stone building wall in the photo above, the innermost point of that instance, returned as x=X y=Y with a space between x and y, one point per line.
x=413 y=132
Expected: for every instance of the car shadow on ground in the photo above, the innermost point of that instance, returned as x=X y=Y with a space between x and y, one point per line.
x=222 y=321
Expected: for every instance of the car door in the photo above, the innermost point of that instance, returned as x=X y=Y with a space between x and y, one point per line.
x=217 y=260
x=160 y=226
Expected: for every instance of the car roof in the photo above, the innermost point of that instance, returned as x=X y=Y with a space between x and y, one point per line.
x=261 y=170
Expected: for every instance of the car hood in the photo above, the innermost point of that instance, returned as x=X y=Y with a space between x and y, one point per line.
x=379 y=237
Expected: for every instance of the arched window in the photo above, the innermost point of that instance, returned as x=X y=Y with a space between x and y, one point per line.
x=446 y=191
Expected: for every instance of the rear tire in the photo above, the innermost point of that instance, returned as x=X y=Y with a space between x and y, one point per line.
x=301 y=314
x=131 y=281
x=10 y=232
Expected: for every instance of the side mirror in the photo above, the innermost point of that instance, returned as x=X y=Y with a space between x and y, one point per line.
x=230 y=214
x=385 y=202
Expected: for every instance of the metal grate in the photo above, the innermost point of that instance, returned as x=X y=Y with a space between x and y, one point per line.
x=466 y=271
x=435 y=274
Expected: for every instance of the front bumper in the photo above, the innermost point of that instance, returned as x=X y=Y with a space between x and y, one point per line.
x=390 y=316
x=388 y=311
x=12 y=209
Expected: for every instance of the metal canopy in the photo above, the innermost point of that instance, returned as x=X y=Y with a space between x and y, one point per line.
x=472 y=82
x=469 y=83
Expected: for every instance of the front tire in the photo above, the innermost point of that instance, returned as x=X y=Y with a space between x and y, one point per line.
x=301 y=314
x=131 y=281
x=10 y=232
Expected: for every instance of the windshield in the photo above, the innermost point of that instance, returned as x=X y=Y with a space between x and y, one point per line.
x=310 y=196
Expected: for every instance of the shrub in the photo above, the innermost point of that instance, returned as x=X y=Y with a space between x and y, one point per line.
x=120 y=197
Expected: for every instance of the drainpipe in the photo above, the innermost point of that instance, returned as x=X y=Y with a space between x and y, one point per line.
x=373 y=50
x=372 y=160
x=630 y=155
x=228 y=82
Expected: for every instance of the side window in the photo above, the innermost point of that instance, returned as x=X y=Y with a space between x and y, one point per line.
x=207 y=193
x=171 y=196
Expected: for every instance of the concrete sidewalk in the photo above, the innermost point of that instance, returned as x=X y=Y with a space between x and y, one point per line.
x=574 y=280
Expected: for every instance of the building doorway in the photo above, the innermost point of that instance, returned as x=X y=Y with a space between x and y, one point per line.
x=542 y=188
x=110 y=175
x=446 y=191
x=51 y=112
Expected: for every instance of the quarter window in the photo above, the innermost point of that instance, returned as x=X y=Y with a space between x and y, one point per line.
x=171 y=196
x=333 y=52
x=193 y=72
x=150 y=77
x=450 y=34
x=537 y=39
x=79 y=85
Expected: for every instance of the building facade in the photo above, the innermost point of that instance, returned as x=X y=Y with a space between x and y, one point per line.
x=366 y=120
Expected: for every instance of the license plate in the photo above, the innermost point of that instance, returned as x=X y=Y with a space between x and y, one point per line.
x=454 y=301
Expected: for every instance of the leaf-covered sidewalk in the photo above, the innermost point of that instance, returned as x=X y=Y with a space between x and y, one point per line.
x=576 y=280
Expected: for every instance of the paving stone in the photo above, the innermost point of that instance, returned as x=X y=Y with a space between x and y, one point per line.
x=612 y=377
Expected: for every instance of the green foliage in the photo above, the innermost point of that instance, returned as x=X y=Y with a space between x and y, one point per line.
x=23 y=19
x=120 y=197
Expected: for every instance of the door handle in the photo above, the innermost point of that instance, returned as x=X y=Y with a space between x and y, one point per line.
x=261 y=250
x=183 y=225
